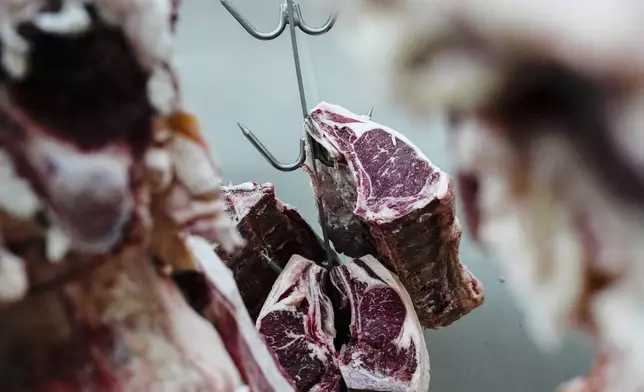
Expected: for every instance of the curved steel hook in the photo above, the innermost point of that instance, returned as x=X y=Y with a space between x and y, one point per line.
x=299 y=21
x=369 y=113
x=245 y=23
x=269 y=157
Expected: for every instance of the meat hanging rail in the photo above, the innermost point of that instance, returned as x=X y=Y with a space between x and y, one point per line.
x=291 y=15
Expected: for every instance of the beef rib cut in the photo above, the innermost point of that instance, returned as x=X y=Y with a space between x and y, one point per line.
x=398 y=207
x=385 y=349
x=268 y=226
x=222 y=305
x=297 y=323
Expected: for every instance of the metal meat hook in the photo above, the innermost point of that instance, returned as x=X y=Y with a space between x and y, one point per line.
x=285 y=167
x=291 y=14
x=298 y=21
x=317 y=150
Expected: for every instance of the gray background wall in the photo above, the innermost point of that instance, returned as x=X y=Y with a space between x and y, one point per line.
x=228 y=76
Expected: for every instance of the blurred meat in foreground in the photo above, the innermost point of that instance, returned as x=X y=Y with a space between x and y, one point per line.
x=545 y=100
x=108 y=191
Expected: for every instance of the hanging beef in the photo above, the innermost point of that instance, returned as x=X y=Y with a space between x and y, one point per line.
x=547 y=104
x=356 y=324
x=298 y=324
x=273 y=231
x=111 y=323
x=97 y=158
x=213 y=292
x=385 y=349
x=392 y=198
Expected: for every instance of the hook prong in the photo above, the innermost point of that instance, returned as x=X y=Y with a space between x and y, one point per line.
x=245 y=23
x=270 y=157
x=299 y=20
x=369 y=113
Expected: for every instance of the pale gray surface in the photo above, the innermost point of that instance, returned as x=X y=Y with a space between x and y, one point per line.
x=228 y=76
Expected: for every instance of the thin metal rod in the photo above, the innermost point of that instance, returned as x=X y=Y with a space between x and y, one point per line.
x=300 y=85
x=271 y=263
x=245 y=23
x=290 y=9
x=370 y=113
x=313 y=30
x=285 y=167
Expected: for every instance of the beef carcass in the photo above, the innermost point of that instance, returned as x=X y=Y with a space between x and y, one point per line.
x=221 y=304
x=273 y=231
x=298 y=324
x=547 y=149
x=111 y=323
x=85 y=164
x=393 y=198
x=385 y=349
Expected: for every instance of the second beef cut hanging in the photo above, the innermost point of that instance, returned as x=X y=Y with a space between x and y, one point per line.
x=297 y=323
x=385 y=349
x=384 y=197
x=272 y=230
x=354 y=324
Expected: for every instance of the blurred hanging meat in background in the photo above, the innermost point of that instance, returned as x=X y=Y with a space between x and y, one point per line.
x=545 y=100
x=96 y=157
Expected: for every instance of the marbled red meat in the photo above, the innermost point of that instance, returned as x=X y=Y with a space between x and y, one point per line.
x=384 y=197
x=224 y=307
x=548 y=98
x=96 y=160
x=297 y=323
x=385 y=349
x=273 y=231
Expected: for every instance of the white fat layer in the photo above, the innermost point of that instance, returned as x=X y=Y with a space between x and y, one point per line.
x=162 y=92
x=147 y=25
x=593 y=36
x=70 y=174
x=159 y=166
x=577 y=385
x=57 y=244
x=72 y=19
x=244 y=197
x=620 y=317
x=16 y=196
x=408 y=47
x=166 y=337
x=355 y=374
x=618 y=309
x=15 y=49
x=223 y=280
x=193 y=334
x=549 y=299
x=544 y=268
x=245 y=186
x=204 y=217
x=304 y=274
x=453 y=78
x=381 y=213
x=13 y=276
x=627 y=130
x=198 y=175
x=533 y=239
x=193 y=167
x=290 y=274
